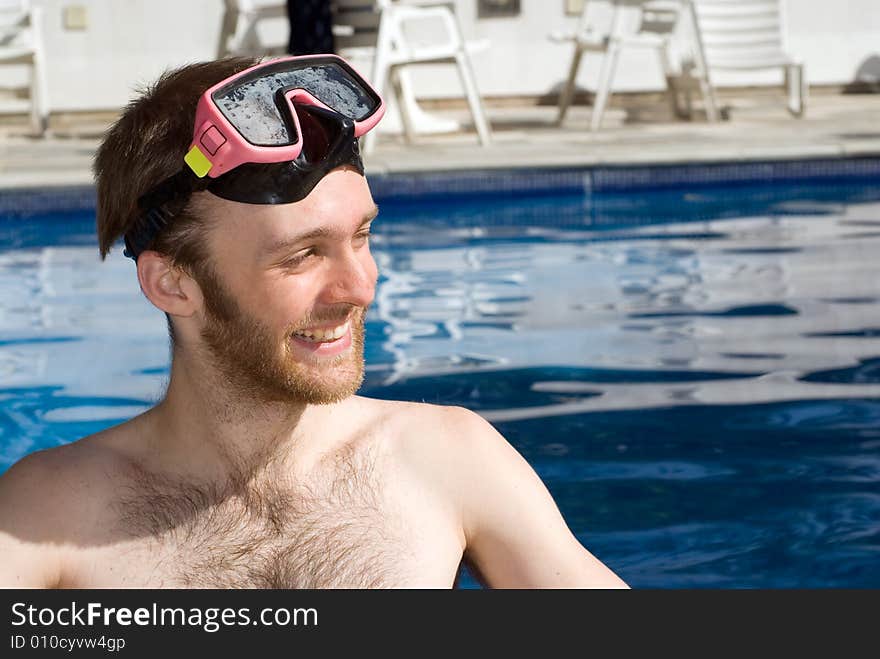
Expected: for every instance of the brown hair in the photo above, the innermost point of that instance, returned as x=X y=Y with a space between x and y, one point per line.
x=144 y=147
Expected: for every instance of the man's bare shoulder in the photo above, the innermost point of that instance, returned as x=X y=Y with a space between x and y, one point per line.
x=513 y=533
x=52 y=501
x=57 y=488
x=423 y=422
x=434 y=439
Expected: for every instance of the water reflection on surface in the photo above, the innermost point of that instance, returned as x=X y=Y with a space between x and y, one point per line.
x=695 y=375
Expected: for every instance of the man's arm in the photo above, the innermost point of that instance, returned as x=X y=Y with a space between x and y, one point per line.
x=516 y=536
x=29 y=559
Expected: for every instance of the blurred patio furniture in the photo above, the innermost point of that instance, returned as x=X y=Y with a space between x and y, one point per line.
x=246 y=24
x=634 y=24
x=21 y=43
x=240 y=29
x=402 y=34
x=749 y=35
x=356 y=26
x=379 y=32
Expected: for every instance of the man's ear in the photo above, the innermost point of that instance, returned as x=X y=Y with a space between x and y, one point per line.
x=168 y=287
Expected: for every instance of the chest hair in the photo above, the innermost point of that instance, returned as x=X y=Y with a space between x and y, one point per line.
x=338 y=529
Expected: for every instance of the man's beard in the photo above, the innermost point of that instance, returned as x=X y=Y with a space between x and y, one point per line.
x=259 y=364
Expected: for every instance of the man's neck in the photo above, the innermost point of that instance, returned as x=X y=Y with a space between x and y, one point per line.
x=206 y=429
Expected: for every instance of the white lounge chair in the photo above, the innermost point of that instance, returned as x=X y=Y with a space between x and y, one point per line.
x=747 y=35
x=633 y=24
x=21 y=43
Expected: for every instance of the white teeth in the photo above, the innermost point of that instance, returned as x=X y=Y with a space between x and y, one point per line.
x=319 y=336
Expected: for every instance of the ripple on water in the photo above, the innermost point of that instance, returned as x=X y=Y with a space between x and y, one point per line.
x=578 y=471
x=867 y=372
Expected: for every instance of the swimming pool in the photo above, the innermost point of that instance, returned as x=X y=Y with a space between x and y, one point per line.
x=694 y=372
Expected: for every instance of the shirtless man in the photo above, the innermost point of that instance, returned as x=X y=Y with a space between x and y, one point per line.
x=260 y=467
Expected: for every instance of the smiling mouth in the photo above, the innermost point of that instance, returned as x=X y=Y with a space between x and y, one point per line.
x=323 y=336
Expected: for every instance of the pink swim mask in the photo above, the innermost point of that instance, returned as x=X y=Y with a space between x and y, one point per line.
x=266 y=135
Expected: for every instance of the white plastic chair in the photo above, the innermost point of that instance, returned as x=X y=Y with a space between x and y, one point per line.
x=395 y=49
x=634 y=24
x=21 y=43
x=746 y=35
x=375 y=30
x=356 y=29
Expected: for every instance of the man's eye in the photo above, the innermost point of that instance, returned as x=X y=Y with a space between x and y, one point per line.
x=362 y=237
x=297 y=259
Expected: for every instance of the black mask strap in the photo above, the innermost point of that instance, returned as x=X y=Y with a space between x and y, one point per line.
x=158 y=206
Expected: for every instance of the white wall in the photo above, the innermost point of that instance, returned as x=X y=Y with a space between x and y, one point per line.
x=129 y=42
x=126 y=43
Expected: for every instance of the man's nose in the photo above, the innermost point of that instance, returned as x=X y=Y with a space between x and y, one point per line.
x=353 y=279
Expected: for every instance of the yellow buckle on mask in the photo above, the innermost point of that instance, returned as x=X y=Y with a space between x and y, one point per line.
x=197 y=161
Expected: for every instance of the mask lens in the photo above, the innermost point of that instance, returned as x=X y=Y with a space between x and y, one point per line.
x=249 y=103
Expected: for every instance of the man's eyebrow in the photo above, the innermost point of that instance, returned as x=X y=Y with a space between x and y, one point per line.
x=319 y=232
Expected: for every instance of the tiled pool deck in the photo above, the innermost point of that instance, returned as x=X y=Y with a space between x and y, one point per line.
x=759 y=130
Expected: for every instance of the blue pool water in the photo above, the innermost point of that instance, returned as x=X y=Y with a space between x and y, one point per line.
x=695 y=374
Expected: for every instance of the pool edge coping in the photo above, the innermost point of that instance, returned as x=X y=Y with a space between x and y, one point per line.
x=557 y=178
